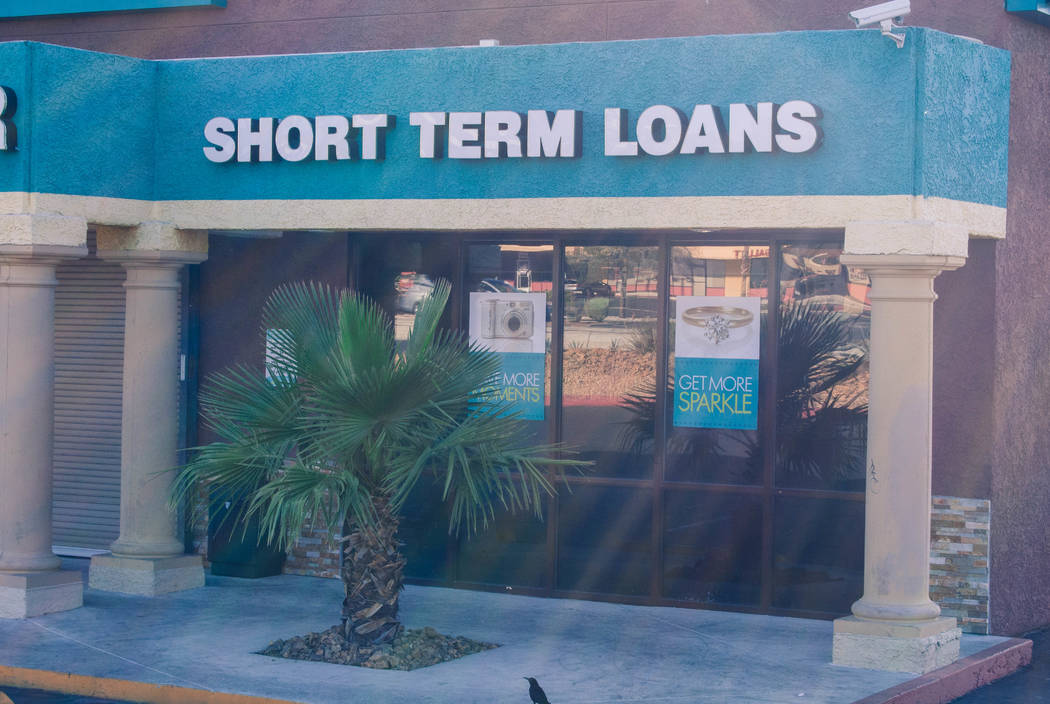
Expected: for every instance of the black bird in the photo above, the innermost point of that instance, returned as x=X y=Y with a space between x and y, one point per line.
x=536 y=693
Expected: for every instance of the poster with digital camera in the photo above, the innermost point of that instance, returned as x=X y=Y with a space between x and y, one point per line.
x=514 y=325
x=716 y=362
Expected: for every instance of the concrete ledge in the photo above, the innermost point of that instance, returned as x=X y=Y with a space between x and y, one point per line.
x=153 y=237
x=894 y=629
x=44 y=229
x=146 y=576
x=898 y=647
x=29 y=594
x=108 y=688
x=911 y=237
x=949 y=683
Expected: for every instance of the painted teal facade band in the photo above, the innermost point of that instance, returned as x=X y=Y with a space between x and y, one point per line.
x=1034 y=10
x=928 y=120
x=31 y=8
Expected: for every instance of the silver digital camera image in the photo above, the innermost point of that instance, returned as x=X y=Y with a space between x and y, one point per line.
x=507 y=320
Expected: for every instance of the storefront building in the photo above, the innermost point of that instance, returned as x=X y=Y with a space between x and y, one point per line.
x=784 y=201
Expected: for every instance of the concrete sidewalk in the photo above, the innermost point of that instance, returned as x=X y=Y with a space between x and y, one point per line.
x=581 y=652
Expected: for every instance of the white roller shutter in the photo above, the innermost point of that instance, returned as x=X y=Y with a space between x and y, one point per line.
x=89 y=353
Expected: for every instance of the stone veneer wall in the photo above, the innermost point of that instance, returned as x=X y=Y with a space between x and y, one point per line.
x=959 y=570
x=314 y=554
x=199 y=523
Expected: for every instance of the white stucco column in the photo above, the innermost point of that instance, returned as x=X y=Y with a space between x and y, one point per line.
x=30 y=248
x=149 y=426
x=148 y=556
x=895 y=625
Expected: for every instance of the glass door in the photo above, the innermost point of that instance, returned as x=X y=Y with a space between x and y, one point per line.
x=507 y=294
x=610 y=315
x=714 y=511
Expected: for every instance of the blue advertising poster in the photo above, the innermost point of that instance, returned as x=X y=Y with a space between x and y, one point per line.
x=716 y=362
x=514 y=325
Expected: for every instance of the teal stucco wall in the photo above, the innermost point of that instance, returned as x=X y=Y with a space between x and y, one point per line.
x=930 y=119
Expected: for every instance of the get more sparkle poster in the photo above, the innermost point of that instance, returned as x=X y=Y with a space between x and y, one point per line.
x=716 y=362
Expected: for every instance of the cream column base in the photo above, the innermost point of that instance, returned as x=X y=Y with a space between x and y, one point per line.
x=146 y=576
x=898 y=647
x=28 y=594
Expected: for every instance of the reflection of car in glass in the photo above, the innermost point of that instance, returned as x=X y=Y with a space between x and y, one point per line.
x=411 y=290
x=594 y=289
x=495 y=286
x=823 y=263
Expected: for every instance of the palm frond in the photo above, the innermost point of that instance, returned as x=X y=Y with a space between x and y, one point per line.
x=346 y=421
x=421 y=336
x=366 y=335
x=239 y=399
x=815 y=350
x=482 y=468
x=236 y=468
x=303 y=494
x=302 y=320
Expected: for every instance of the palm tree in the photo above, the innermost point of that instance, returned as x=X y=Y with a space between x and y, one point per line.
x=348 y=422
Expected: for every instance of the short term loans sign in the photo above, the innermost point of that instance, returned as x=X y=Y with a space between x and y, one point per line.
x=716 y=362
x=514 y=325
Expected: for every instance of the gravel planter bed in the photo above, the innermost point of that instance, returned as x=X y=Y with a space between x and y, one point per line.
x=411 y=649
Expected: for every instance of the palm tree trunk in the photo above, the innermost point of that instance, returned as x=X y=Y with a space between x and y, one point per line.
x=373 y=577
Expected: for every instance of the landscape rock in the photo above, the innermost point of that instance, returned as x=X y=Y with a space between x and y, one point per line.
x=409 y=650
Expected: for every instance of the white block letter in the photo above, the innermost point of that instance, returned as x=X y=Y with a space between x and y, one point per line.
x=793 y=117
x=331 y=131
x=247 y=137
x=758 y=129
x=704 y=131
x=553 y=134
x=304 y=134
x=215 y=131
x=427 y=122
x=501 y=134
x=616 y=143
x=372 y=126
x=671 y=127
x=463 y=129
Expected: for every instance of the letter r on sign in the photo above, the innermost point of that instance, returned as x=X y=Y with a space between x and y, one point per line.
x=8 y=132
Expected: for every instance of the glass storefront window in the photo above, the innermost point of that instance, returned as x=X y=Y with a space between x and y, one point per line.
x=399 y=272
x=818 y=561
x=713 y=547
x=822 y=372
x=424 y=533
x=605 y=540
x=609 y=356
x=512 y=552
x=669 y=514
x=714 y=454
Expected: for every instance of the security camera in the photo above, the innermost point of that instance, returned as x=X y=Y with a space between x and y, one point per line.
x=885 y=16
